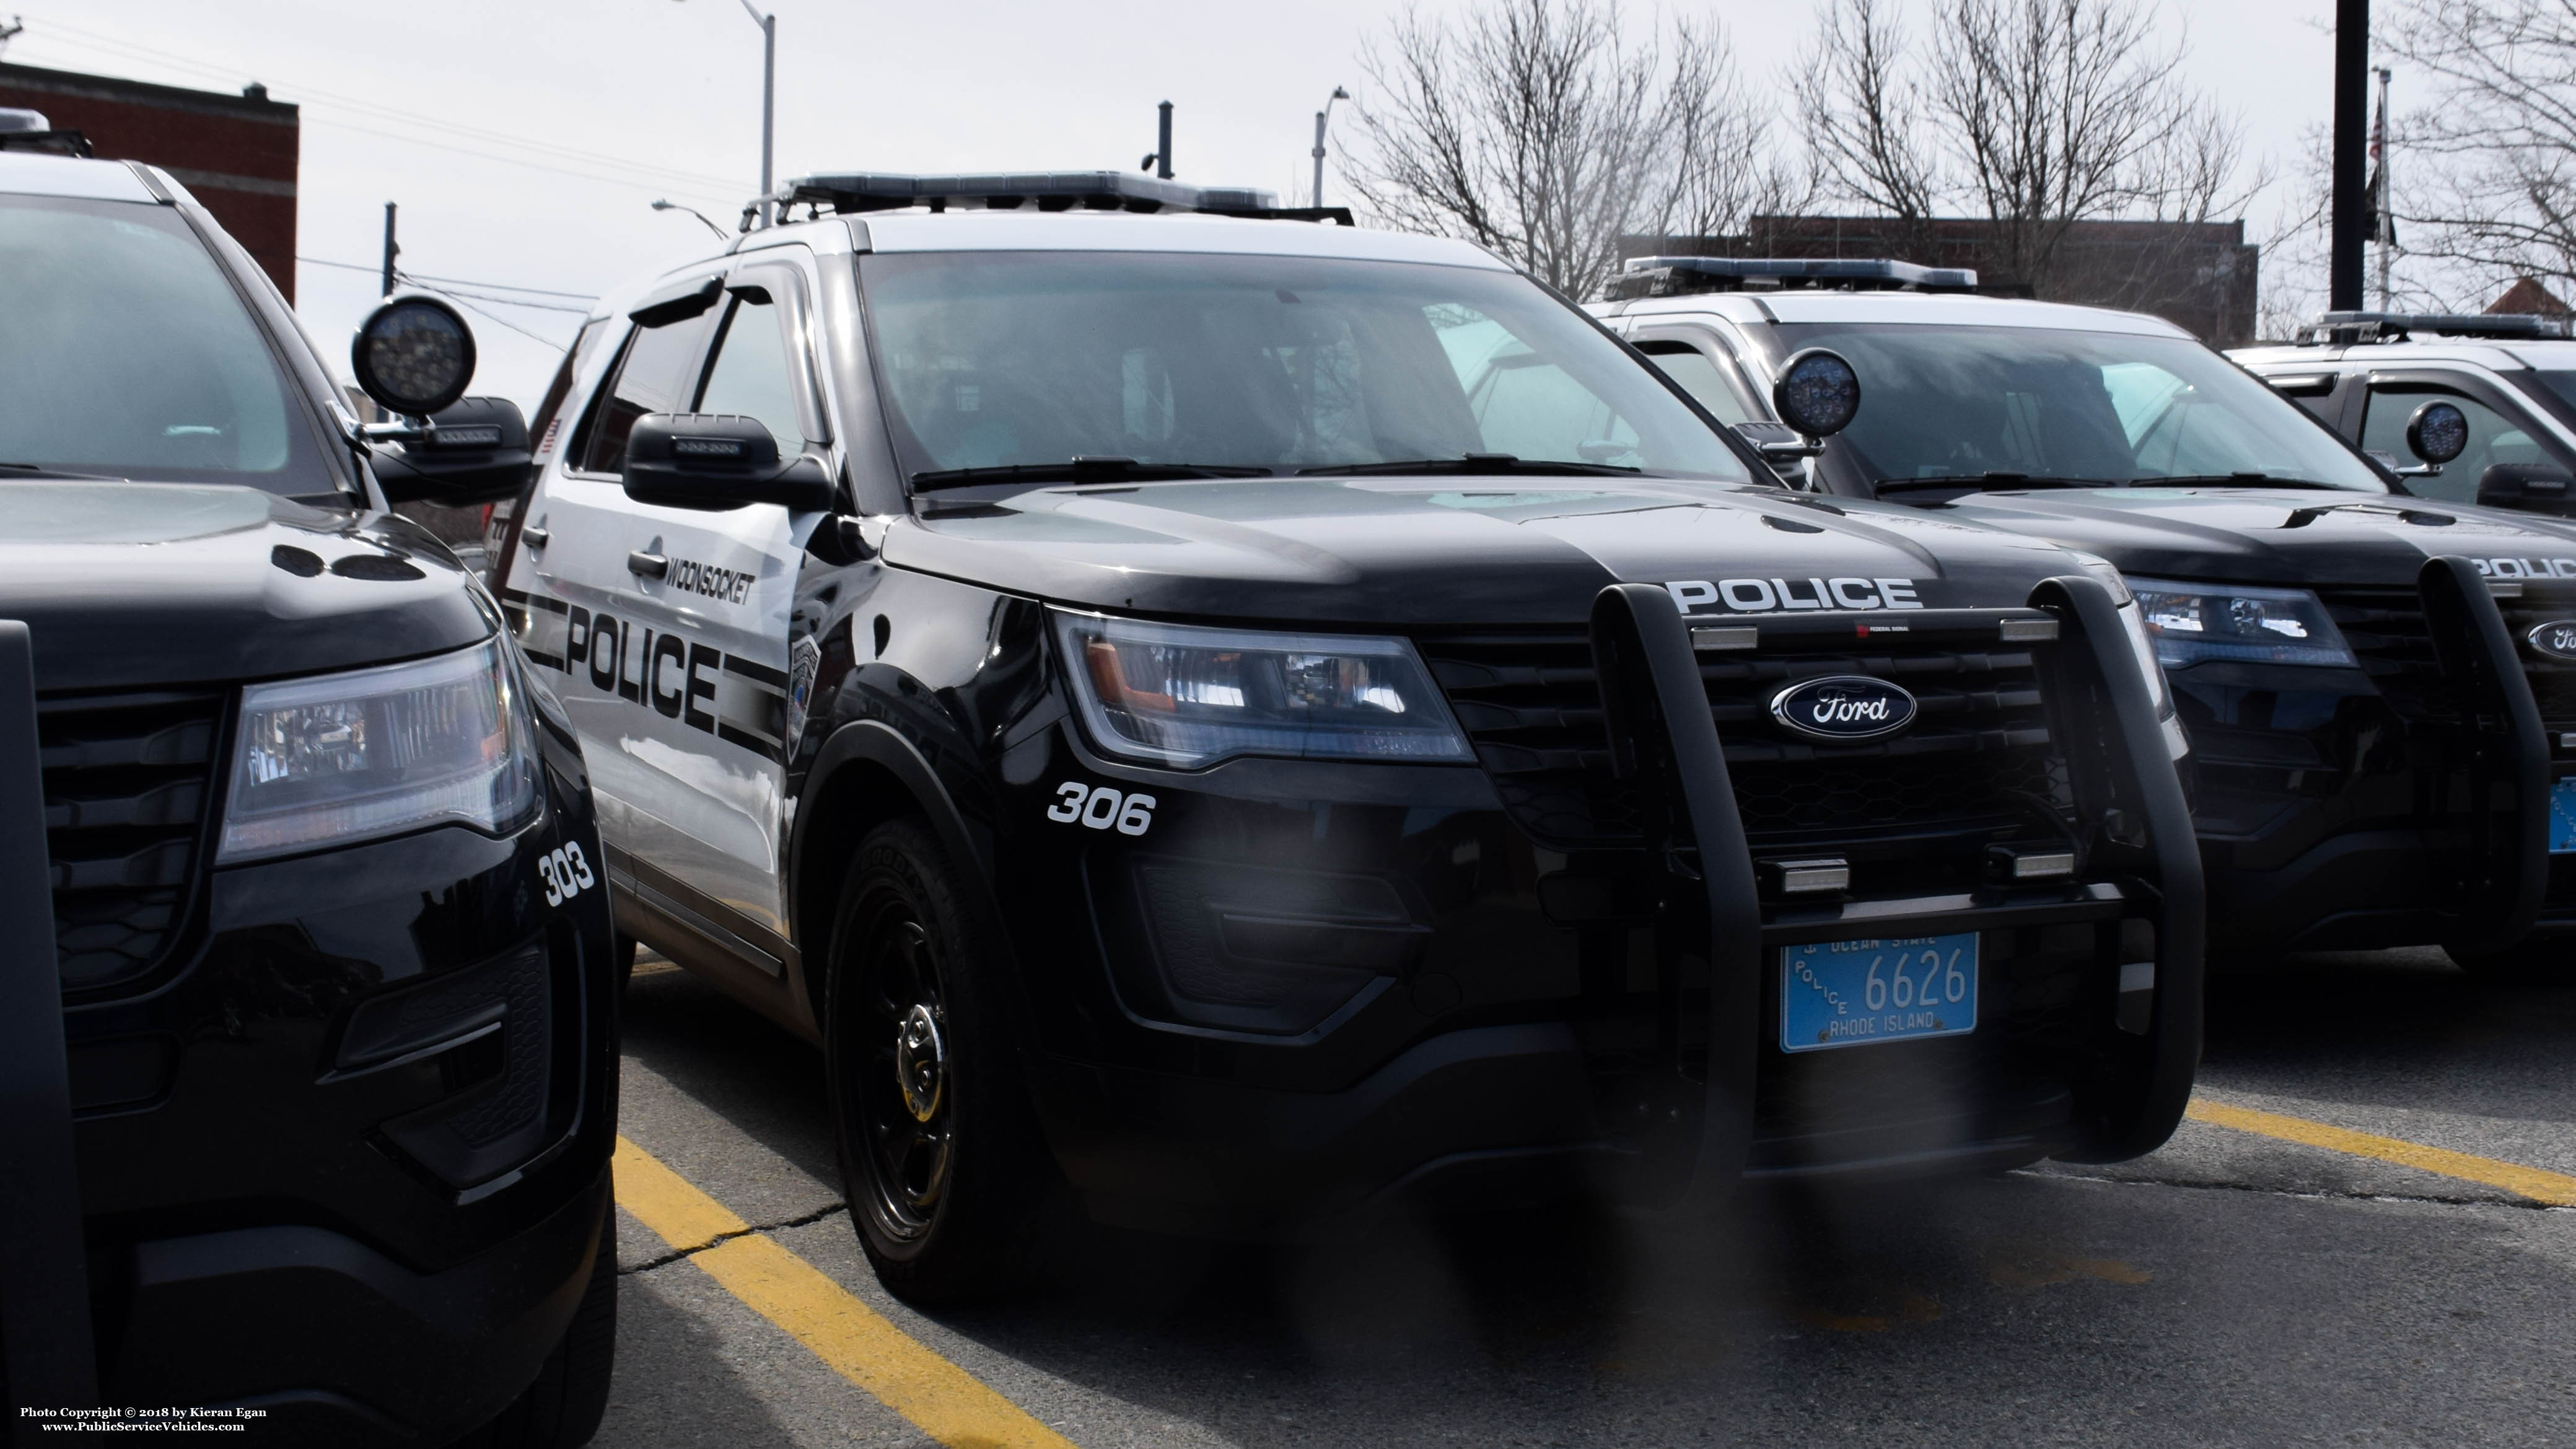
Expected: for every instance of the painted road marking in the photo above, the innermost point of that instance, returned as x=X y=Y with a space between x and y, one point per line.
x=2555 y=1189
x=941 y=1399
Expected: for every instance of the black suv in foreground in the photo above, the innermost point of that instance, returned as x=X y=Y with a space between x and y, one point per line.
x=329 y=927
x=1269 y=722
x=2380 y=688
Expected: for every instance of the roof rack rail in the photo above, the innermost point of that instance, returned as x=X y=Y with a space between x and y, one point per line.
x=1682 y=276
x=1044 y=191
x=2346 y=329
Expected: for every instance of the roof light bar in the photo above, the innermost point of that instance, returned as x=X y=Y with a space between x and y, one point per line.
x=2350 y=328
x=1676 y=276
x=1044 y=191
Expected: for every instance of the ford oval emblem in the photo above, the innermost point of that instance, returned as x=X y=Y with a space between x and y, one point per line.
x=1843 y=709
x=2557 y=639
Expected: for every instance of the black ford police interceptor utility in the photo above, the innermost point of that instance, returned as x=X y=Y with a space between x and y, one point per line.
x=329 y=911
x=1269 y=720
x=2369 y=767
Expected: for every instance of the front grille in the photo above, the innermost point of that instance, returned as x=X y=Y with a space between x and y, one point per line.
x=127 y=784
x=2553 y=681
x=1979 y=751
x=2393 y=642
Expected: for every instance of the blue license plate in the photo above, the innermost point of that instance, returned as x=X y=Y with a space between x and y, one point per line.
x=1860 y=993
x=2562 y=818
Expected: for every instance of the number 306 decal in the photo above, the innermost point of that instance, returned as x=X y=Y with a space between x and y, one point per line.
x=564 y=872
x=1102 y=809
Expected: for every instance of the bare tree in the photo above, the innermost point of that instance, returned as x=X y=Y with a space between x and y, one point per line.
x=2491 y=174
x=1539 y=129
x=2039 y=114
x=1867 y=136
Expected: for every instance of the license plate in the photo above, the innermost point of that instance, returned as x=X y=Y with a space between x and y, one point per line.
x=2562 y=818
x=1860 y=993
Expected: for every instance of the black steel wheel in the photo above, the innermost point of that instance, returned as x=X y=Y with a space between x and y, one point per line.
x=940 y=1156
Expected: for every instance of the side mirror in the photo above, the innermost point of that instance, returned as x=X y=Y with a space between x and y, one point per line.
x=2437 y=432
x=718 y=461
x=473 y=452
x=414 y=356
x=1818 y=393
x=2528 y=487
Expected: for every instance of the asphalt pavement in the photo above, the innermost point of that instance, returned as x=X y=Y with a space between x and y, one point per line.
x=2353 y=1243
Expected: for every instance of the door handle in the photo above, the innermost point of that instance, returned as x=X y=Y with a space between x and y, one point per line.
x=536 y=537
x=648 y=565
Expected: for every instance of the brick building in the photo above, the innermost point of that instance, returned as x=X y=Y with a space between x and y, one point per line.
x=237 y=154
x=2200 y=276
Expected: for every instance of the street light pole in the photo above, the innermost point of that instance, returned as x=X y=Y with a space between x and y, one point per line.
x=1321 y=116
x=768 y=105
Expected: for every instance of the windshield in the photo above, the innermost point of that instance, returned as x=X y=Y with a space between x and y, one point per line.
x=1964 y=402
x=125 y=352
x=1266 y=364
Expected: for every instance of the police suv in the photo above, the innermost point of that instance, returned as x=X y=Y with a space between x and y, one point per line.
x=329 y=912
x=1266 y=722
x=2513 y=378
x=2356 y=664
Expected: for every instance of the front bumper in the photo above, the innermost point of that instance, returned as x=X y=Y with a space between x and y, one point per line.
x=342 y=1154
x=1316 y=991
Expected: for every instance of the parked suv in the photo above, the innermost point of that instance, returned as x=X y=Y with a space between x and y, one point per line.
x=2356 y=665
x=329 y=909
x=1267 y=722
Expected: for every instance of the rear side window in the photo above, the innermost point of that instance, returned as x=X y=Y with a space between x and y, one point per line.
x=657 y=375
x=124 y=350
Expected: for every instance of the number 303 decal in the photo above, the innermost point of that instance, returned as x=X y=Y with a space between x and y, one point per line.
x=1102 y=809
x=564 y=873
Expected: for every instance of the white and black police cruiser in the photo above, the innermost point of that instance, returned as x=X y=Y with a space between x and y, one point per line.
x=2356 y=665
x=310 y=1067
x=1265 y=721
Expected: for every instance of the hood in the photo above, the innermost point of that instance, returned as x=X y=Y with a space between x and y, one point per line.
x=1431 y=552
x=156 y=584
x=2277 y=536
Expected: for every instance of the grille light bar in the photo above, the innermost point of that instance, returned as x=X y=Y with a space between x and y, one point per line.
x=1824 y=875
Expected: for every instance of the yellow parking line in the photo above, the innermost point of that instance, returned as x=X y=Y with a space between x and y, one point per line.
x=943 y=1400
x=2555 y=1189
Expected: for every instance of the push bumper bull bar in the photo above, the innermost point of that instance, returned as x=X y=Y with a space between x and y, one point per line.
x=1708 y=910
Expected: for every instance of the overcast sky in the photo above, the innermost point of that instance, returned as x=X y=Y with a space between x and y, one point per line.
x=524 y=139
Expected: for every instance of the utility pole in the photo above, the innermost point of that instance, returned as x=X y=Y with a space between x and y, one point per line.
x=2350 y=164
x=1321 y=116
x=391 y=251
x=1163 y=143
x=2387 y=227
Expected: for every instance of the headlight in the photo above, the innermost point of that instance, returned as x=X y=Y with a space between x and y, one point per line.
x=1177 y=695
x=2196 y=622
x=376 y=752
x=2142 y=644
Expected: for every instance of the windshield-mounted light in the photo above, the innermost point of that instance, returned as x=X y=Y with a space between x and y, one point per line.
x=2194 y=623
x=341 y=758
x=1182 y=696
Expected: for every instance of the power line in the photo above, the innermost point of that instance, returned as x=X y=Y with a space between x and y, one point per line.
x=461 y=282
x=373 y=110
x=479 y=312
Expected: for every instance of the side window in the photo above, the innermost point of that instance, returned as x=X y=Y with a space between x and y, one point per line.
x=2493 y=438
x=544 y=429
x=655 y=376
x=1699 y=376
x=752 y=375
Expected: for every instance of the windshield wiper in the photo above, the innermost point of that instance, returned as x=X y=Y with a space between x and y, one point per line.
x=1482 y=465
x=2239 y=480
x=1997 y=479
x=1083 y=470
x=39 y=470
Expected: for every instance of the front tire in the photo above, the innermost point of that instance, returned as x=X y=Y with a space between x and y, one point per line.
x=2539 y=959
x=941 y=1159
